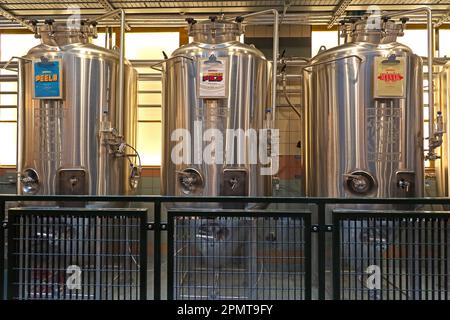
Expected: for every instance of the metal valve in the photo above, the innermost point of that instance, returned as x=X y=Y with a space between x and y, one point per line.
x=94 y=29
x=435 y=140
x=50 y=22
x=360 y=183
x=34 y=24
x=404 y=184
x=234 y=183
x=404 y=20
x=30 y=181
x=190 y=181
x=191 y=21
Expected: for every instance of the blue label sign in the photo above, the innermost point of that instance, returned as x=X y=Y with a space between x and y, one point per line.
x=47 y=79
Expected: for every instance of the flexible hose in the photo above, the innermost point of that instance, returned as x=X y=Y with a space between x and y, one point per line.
x=287 y=98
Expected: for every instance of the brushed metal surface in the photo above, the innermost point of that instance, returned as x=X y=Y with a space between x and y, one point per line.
x=244 y=107
x=345 y=129
x=441 y=165
x=62 y=134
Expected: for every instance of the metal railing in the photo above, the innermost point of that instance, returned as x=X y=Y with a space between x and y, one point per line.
x=76 y=254
x=391 y=255
x=256 y=255
x=335 y=245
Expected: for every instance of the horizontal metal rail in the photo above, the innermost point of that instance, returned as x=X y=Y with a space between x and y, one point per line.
x=167 y=199
x=319 y=207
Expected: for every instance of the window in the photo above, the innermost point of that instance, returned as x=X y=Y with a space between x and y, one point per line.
x=416 y=40
x=149 y=46
x=329 y=39
x=149 y=99
x=101 y=39
x=11 y=45
x=444 y=45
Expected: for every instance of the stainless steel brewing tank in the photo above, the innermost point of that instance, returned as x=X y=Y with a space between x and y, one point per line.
x=359 y=140
x=78 y=143
x=244 y=104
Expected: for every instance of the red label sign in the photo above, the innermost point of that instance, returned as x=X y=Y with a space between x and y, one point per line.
x=390 y=77
x=213 y=77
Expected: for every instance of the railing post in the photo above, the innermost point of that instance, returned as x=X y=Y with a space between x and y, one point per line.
x=321 y=206
x=2 y=250
x=170 y=255
x=143 y=257
x=157 y=251
x=336 y=258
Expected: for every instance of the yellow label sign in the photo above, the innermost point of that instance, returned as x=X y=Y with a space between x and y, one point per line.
x=389 y=77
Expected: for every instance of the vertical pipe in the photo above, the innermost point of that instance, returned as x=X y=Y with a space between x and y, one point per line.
x=20 y=121
x=157 y=251
x=321 y=210
x=275 y=64
x=143 y=255
x=275 y=55
x=120 y=12
x=430 y=43
x=121 y=71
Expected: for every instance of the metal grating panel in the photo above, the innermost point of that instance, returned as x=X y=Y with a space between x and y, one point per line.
x=77 y=254
x=391 y=255
x=242 y=255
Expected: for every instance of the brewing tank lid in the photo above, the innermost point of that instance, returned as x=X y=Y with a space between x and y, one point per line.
x=63 y=27
x=215 y=25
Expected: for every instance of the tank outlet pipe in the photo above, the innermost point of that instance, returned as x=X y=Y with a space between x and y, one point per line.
x=94 y=21
x=20 y=106
x=275 y=53
x=284 y=62
x=286 y=97
x=436 y=133
x=359 y=58
x=156 y=65
x=7 y=64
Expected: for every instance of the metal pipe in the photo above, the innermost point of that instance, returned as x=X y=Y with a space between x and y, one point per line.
x=360 y=59
x=120 y=12
x=433 y=142
x=164 y=61
x=20 y=123
x=121 y=70
x=9 y=62
x=286 y=97
x=275 y=54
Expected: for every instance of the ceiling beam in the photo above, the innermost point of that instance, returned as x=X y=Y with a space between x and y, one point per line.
x=109 y=7
x=106 y=4
x=442 y=20
x=227 y=10
x=8 y=15
x=340 y=10
x=286 y=5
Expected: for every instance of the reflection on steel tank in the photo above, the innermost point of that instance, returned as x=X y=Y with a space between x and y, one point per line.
x=216 y=82
x=363 y=116
x=75 y=136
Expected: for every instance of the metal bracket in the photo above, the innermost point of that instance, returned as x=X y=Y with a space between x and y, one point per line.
x=317 y=228
x=152 y=226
